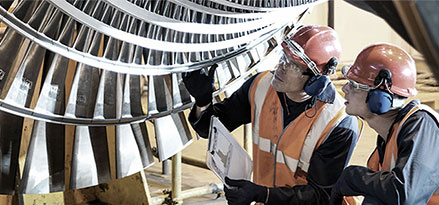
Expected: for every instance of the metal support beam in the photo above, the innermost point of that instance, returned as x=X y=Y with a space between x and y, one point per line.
x=195 y=162
x=190 y=193
x=166 y=167
x=176 y=177
x=331 y=9
x=200 y=191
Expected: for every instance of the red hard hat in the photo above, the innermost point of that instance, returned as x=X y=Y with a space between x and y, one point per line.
x=319 y=43
x=376 y=57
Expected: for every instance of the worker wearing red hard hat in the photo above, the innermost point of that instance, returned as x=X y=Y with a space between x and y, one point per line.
x=302 y=137
x=403 y=169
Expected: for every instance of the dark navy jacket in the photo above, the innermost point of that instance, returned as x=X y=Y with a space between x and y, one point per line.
x=416 y=173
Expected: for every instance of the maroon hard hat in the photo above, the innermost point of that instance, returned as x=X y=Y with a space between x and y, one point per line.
x=380 y=56
x=318 y=43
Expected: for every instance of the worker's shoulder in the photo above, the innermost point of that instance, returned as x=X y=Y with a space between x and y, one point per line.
x=425 y=116
x=349 y=122
x=422 y=127
x=253 y=77
x=250 y=81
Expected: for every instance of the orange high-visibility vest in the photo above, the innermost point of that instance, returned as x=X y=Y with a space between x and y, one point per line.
x=391 y=151
x=286 y=152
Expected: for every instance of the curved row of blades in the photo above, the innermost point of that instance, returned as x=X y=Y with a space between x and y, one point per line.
x=59 y=157
x=73 y=67
x=171 y=36
x=34 y=83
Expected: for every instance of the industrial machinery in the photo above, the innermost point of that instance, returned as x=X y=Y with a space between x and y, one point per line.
x=90 y=74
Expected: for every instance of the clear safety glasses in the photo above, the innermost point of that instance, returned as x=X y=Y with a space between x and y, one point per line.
x=352 y=84
x=298 y=50
x=358 y=86
x=285 y=61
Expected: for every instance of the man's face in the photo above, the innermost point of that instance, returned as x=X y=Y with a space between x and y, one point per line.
x=289 y=77
x=356 y=101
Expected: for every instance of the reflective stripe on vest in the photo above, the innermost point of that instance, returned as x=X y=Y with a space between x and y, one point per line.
x=258 y=92
x=391 y=151
x=297 y=141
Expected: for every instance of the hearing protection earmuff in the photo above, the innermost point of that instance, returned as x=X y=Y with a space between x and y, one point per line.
x=379 y=100
x=318 y=83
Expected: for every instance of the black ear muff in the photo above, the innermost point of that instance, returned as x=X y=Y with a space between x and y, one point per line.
x=379 y=100
x=318 y=83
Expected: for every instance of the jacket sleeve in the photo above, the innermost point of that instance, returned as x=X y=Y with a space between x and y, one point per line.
x=415 y=176
x=232 y=112
x=326 y=165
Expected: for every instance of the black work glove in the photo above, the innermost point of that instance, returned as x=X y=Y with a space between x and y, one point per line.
x=244 y=192
x=200 y=85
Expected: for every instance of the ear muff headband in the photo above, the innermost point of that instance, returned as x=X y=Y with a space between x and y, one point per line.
x=378 y=100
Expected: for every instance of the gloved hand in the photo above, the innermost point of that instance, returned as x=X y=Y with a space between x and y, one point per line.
x=200 y=85
x=244 y=192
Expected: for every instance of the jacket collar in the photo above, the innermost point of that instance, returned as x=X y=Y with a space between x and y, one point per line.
x=381 y=144
x=403 y=112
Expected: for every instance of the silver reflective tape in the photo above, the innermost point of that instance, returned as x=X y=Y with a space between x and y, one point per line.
x=266 y=145
x=327 y=114
x=260 y=93
x=291 y=163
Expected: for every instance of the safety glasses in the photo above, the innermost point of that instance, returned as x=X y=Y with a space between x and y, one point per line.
x=363 y=87
x=298 y=51
x=358 y=86
x=352 y=84
x=290 y=63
